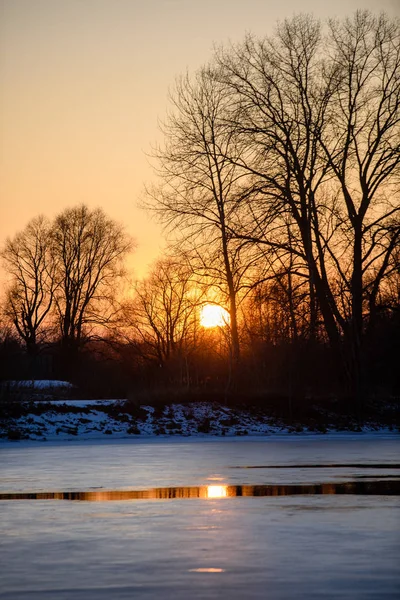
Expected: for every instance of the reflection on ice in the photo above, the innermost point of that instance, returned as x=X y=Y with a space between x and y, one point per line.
x=174 y=520
x=375 y=487
x=204 y=570
x=217 y=491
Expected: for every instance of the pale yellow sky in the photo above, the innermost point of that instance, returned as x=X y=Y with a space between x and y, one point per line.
x=83 y=84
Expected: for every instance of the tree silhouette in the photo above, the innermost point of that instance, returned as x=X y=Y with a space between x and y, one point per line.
x=318 y=115
x=164 y=311
x=200 y=184
x=30 y=295
x=88 y=249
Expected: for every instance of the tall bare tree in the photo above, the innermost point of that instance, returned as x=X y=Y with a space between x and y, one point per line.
x=278 y=101
x=362 y=151
x=318 y=117
x=200 y=185
x=88 y=249
x=30 y=295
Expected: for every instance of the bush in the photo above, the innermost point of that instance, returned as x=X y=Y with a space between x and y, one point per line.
x=204 y=426
x=14 y=435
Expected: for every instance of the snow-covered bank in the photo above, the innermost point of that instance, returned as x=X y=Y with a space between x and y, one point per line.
x=37 y=384
x=103 y=419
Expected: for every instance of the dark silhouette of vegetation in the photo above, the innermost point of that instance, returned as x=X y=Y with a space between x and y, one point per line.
x=279 y=183
x=63 y=278
x=88 y=249
x=29 y=299
x=200 y=186
x=312 y=119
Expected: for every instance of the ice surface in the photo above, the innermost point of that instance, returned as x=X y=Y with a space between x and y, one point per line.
x=156 y=462
x=300 y=547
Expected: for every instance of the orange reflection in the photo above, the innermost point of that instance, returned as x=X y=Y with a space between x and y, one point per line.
x=369 y=487
x=207 y=570
x=217 y=491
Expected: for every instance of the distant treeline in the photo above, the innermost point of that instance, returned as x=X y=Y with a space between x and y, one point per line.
x=279 y=184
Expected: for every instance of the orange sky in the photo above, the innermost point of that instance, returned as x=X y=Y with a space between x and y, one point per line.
x=83 y=84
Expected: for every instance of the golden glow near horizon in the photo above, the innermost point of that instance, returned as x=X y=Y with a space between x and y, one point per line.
x=217 y=491
x=213 y=315
x=83 y=86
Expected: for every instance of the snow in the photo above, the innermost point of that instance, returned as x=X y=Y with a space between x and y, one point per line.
x=38 y=384
x=102 y=419
x=85 y=403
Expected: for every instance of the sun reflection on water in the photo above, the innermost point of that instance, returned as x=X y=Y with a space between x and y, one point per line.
x=217 y=491
x=369 y=486
x=207 y=570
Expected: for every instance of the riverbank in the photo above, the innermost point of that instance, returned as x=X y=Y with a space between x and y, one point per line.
x=101 y=419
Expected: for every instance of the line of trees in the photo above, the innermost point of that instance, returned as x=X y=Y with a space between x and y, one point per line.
x=279 y=184
x=63 y=277
x=284 y=153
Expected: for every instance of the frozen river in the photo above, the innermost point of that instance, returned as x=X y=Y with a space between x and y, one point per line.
x=273 y=518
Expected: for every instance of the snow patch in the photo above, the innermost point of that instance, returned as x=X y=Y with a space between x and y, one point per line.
x=107 y=419
x=38 y=384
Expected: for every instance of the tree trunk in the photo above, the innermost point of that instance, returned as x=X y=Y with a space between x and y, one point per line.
x=356 y=317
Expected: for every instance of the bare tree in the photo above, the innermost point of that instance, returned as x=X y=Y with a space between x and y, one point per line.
x=318 y=117
x=200 y=185
x=30 y=296
x=278 y=101
x=164 y=309
x=362 y=151
x=163 y=315
x=88 y=249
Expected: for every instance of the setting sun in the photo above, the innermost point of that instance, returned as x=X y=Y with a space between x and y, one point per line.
x=213 y=315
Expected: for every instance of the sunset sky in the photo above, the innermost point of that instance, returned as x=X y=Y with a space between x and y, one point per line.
x=83 y=84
